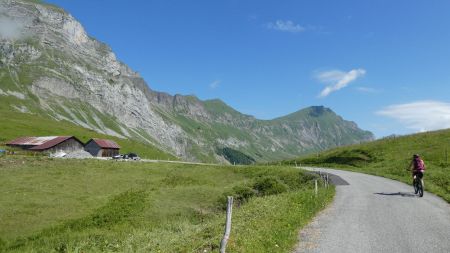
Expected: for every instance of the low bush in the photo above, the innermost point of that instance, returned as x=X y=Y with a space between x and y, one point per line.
x=269 y=185
x=241 y=195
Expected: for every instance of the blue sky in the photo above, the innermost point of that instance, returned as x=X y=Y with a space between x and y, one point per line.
x=383 y=64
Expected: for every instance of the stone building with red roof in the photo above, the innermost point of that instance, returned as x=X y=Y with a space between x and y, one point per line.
x=102 y=147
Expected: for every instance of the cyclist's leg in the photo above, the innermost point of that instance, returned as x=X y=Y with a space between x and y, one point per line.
x=420 y=175
x=417 y=181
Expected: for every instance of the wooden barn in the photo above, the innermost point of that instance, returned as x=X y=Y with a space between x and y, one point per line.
x=102 y=148
x=49 y=144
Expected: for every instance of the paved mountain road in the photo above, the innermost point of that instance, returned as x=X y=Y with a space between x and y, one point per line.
x=375 y=214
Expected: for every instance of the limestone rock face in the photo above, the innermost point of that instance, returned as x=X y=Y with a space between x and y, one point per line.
x=48 y=60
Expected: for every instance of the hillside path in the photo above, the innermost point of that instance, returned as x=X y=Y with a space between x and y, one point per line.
x=375 y=214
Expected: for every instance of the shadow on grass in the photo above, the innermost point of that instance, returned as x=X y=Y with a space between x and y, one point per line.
x=403 y=194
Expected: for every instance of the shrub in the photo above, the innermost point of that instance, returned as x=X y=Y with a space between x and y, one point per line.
x=296 y=180
x=243 y=194
x=269 y=185
x=240 y=193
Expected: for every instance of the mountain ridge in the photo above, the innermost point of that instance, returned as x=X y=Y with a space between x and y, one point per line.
x=52 y=67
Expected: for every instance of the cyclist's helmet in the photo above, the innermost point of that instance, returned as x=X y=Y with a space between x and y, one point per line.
x=415 y=156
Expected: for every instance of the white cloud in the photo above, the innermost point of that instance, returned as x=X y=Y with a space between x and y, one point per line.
x=337 y=79
x=286 y=26
x=215 y=84
x=421 y=115
x=330 y=76
x=11 y=29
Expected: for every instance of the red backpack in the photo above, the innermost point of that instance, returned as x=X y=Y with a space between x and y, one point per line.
x=419 y=164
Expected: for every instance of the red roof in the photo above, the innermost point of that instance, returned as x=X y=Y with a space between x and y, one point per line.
x=51 y=143
x=40 y=143
x=103 y=143
x=31 y=141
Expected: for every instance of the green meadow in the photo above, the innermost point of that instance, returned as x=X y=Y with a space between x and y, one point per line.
x=390 y=157
x=58 y=205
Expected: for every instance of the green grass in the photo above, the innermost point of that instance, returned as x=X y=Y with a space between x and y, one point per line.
x=391 y=156
x=14 y=124
x=218 y=107
x=108 y=206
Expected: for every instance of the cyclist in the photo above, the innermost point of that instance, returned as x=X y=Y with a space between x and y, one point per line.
x=417 y=167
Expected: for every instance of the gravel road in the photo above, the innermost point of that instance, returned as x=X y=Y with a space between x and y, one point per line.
x=375 y=214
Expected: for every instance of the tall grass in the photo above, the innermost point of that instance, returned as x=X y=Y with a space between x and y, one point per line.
x=105 y=206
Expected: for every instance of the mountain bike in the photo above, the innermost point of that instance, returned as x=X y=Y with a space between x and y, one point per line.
x=418 y=185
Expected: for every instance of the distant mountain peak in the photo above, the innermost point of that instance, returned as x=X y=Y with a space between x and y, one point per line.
x=312 y=111
x=317 y=111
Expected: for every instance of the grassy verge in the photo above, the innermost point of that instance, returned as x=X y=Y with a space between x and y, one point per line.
x=390 y=157
x=105 y=206
x=272 y=224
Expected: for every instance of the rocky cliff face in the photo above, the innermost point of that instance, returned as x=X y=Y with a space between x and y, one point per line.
x=50 y=66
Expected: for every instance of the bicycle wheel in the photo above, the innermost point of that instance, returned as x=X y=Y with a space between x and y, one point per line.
x=420 y=188
x=416 y=186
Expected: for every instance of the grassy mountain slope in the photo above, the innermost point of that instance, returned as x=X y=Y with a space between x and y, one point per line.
x=107 y=206
x=15 y=124
x=390 y=157
x=308 y=130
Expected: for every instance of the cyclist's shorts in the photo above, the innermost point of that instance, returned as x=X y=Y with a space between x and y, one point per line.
x=418 y=173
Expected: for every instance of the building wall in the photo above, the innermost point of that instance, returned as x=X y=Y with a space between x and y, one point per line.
x=93 y=149
x=66 y=146
x=109 y=152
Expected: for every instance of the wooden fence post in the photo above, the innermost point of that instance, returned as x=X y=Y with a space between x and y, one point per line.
x=226 y=236
x=315 y=188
